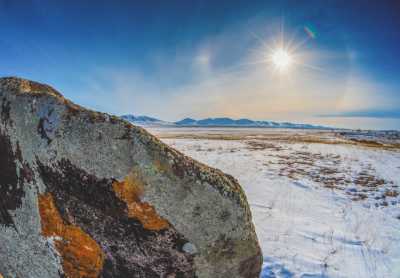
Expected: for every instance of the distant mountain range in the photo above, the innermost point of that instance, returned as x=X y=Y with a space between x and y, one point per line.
x=146 y=121
x=216 y=122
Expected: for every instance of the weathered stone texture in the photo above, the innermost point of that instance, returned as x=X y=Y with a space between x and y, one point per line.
x=85 y=194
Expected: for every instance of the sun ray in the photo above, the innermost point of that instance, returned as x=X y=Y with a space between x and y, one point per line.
x=259 y=39
x=311 y=67
x=282 y=52
x=300 y=44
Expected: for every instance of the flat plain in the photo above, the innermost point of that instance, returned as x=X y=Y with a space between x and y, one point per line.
x=324 y=203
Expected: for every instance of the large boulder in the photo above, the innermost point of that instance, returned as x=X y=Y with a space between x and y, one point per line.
x=85 y=194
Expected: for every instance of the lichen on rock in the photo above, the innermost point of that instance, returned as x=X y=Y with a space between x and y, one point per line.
x=81 y=255
x=130 y=191
x=85 y=194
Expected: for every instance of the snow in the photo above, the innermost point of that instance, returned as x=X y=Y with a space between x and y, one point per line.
x=320 y=210
x=145 y=121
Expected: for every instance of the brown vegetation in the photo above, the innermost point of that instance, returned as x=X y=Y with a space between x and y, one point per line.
x=391 y=193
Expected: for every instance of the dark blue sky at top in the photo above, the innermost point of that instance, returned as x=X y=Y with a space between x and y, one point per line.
x=59 y=42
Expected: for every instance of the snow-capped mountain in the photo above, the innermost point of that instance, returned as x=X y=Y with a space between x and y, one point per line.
x=146 y=121
x=216 y=122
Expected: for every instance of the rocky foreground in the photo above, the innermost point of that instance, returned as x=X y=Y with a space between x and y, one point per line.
x=85 y=194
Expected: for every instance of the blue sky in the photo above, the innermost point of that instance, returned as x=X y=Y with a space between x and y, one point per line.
x=174 y=59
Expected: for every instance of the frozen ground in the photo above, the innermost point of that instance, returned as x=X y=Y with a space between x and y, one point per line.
x=322 y=207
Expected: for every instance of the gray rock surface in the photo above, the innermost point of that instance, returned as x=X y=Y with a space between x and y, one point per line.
x=85 y=194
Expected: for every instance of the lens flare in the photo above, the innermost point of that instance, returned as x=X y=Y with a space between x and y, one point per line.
x=284 y=53
x=311 y=34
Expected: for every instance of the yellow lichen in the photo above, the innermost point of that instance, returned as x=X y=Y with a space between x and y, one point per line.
x=130 y=191
x=81 y=255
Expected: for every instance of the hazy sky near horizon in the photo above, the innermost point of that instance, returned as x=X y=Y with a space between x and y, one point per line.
x=175 y=59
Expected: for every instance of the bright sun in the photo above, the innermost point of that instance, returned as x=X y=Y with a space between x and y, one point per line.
x=281 y=59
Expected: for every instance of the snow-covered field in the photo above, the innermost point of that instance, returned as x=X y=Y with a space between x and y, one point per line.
x=321 y=207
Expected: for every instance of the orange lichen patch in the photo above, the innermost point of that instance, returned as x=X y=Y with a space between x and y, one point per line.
x=81 y=255
x=130 y=190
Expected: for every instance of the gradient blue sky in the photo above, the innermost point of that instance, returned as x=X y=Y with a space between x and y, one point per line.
x=174 y=59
